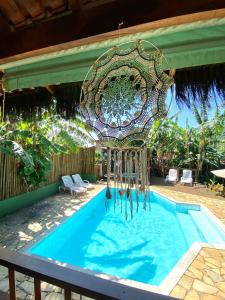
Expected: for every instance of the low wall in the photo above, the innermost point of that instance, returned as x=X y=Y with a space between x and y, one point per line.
x=12 y=204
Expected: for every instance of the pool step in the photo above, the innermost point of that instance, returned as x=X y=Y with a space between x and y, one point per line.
x=189 y=228
x=209 y=231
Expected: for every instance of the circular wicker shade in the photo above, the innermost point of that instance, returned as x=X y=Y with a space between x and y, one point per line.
x=124 y=93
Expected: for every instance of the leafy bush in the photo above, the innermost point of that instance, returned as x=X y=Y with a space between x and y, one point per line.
x=90 y=177
x=201 y=148
x=33 y=144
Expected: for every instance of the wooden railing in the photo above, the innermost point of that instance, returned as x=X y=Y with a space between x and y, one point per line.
x=71 y=280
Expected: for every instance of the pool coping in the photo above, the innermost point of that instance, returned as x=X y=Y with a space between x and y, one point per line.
x=64 y=219
x=172 y=278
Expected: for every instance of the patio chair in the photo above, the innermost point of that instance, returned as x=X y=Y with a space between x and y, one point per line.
x=172 y=176
x=187 y=177
x=71 y=186
x=82 y=183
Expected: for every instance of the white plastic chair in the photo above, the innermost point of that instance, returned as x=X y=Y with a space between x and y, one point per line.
x=172 y=176
x=187 y=177
x=83 y=183
x=73 y=188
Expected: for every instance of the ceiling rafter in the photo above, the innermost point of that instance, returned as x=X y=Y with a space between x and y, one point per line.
x=11 y=12
x=47 y=23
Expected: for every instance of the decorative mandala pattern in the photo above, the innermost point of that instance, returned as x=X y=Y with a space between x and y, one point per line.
x=124 y=93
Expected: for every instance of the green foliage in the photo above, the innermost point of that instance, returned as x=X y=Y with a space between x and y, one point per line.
x=201 y=148
x=218 y=188
x=33 y=144
x=90 y=177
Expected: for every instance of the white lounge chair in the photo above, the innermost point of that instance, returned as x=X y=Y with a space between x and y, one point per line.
x=187 y=177
x=71 y=186
x=172 y=176
x=83 y=183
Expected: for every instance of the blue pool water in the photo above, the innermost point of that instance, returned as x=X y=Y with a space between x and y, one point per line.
x=144 y=248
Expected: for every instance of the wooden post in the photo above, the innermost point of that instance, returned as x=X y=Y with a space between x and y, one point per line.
x=37 y=289
x=12 y=285
x=67 y=294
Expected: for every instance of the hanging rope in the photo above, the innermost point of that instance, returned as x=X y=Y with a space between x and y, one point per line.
x=108 y=193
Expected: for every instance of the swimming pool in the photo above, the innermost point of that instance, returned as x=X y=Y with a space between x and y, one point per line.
x=144 y=248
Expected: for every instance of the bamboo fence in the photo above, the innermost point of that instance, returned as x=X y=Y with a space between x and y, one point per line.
x=11 y=184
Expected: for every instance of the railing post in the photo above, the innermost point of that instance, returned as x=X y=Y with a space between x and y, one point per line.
x=37 y=289
x=67 y=294
x=12 y=284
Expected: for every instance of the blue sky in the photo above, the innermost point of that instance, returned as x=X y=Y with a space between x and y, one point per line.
x=184 y=112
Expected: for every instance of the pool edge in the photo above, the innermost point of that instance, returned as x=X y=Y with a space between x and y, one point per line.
x=173 y=277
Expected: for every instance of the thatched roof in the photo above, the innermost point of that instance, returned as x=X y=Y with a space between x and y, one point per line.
x=193 y=84
x=29 y=103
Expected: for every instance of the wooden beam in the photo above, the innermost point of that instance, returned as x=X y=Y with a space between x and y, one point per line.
x=74 y=5
x=5 y=27
x=50 y=89
x=185 y=19
x=31 y=7
x=97 y=20
x=86 y=4
x=11 y=11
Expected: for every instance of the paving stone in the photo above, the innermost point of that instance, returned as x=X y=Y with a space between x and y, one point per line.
x=198 y=264
x=203 y=287
x=192 y=295
x=208 y=280
x=4 y=285
x=47 y=287
x=221 y=294
x=222 y=271
x=211 y=297
x=54 y=296
x=209 y=265
x=211 y=252
x=75 y=296
x=214 y=276
x=186 y=282
x=35 y=227
x=198 y=274
x=29 y=297
x=21 y=294
x=3 y=272
x=27 y=287
x=216 y=270
x=179 y=292
x=213 y=261
x=200 y=258
x=21 y=277
x=222 y=251
x=221 y=286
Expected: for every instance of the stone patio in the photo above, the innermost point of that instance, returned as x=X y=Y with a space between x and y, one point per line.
x=28 y=225
x=203 y=279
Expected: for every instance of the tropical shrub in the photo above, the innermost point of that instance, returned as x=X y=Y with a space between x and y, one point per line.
x=33 y=144
x=201 y=148
x=90 y=177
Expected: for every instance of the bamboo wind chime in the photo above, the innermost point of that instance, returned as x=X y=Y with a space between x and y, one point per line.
x=130 y=170
x=124 y=94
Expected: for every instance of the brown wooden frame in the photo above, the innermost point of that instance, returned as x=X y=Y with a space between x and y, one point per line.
x=71 y=280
